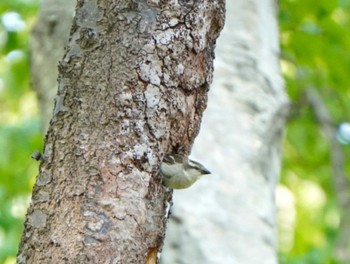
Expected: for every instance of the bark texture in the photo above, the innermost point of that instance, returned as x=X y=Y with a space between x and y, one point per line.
x=132 y=86
x=229 y=216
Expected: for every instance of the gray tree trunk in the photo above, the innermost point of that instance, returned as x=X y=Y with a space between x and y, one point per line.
x=132 y=86
x=49 y=38
x=229 y=216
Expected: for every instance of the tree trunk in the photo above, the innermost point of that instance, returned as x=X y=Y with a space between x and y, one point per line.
x=49 y=38
x=132 y=86
x=229 y=216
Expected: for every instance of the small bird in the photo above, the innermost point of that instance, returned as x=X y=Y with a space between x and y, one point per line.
x=179 y=172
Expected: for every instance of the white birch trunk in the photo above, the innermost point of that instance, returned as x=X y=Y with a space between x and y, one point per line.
x=229 y=217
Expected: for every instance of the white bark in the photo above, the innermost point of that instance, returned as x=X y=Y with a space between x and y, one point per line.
x=229 y=216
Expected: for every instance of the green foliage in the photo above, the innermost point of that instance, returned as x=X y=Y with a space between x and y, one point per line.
x=19 y=124
x=315 y=39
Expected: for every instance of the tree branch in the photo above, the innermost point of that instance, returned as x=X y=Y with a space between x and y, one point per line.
x=340 y=178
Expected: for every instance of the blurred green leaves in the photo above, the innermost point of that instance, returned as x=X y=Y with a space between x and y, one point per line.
x=315 y=40
x=19 y=123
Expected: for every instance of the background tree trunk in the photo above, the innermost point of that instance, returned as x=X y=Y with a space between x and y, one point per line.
x=229 y=216
x=132 y=86
x=49 y=38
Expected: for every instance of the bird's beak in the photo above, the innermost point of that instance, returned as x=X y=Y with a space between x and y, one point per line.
x=205 y=171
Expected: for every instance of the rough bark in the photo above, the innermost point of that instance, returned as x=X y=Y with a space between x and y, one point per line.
x=233 y=220
x=132 y=86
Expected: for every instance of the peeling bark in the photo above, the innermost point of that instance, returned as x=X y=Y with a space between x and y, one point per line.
x=132 y=86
